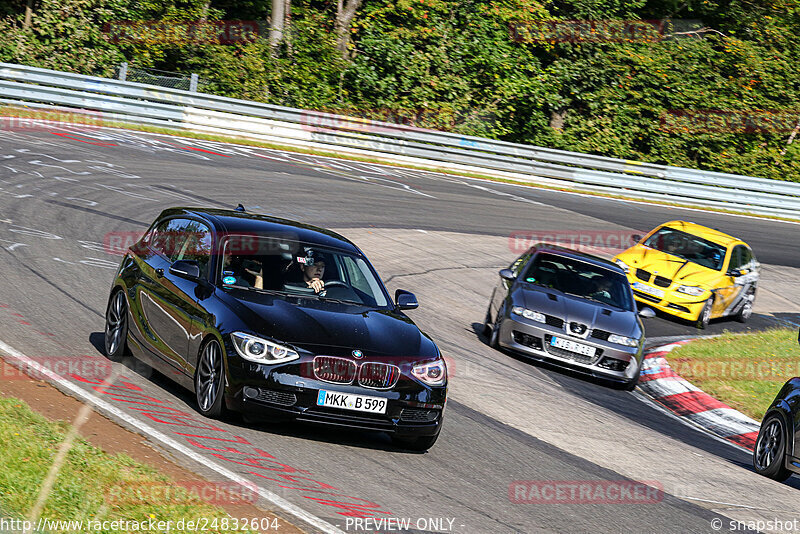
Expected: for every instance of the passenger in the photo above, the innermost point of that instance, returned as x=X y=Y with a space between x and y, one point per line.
x=233 y=272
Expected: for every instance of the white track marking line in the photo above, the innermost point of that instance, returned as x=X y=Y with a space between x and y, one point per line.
x=104 y=406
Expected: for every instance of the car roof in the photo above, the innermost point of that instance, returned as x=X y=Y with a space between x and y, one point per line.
x=234 y=222
x=712 y=234
x=576 y=255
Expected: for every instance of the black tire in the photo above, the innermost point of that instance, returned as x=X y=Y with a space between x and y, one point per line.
x=704 y=317
x=747 y=309
x=769 y=455
x=631 y=384
x=116 y=331
x=494 y=336
x=209 y=380
x=418 y=444
x=487 y=322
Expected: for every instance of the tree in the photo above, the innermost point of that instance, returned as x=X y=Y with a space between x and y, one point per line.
x=345 y=13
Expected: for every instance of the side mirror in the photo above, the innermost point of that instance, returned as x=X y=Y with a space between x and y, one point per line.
x=188 y=269
x=636 y=238
x=507 y=274
x=405 y=300
x=736 y=272
x=647 y=313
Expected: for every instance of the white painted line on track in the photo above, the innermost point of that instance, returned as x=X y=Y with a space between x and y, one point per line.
x=440 y=174
x=144 y=428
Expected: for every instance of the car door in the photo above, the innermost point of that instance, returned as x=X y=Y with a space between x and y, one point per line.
x=168 y=302
x=731 y=290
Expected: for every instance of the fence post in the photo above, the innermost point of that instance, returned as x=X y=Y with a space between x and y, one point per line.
x=193 y=83
x=123 y=71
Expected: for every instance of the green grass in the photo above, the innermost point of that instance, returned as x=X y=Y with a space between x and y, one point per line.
x=91 y=485
x=11 y=111
x=745 y=371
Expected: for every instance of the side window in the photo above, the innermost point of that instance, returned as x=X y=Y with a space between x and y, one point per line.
x=357 y=278
x=160 y=238
x=737 y=258
x=747 y=258
x=192 y=242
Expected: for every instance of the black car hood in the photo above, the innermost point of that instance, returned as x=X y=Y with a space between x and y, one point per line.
x=326 y=327
x=592 y=314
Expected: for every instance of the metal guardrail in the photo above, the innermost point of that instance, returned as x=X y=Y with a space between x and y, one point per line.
x=146 y=104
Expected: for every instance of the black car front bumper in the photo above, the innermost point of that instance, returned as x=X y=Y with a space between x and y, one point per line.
x=284 y=392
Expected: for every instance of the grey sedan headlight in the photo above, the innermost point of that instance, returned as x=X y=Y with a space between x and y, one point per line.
x=691 y=290
x=529 y=314
x=256 y=349
x=622 y=340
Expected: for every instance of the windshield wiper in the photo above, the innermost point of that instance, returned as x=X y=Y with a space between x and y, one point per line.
x=341 y=301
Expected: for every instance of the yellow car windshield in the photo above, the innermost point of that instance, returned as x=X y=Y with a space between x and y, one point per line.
x=688 y=247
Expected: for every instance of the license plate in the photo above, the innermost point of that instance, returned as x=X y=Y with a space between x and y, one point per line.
x=566 y=344
x=648 y=289
x=349 y=401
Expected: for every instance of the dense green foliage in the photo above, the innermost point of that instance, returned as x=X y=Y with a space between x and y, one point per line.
x=453 y=65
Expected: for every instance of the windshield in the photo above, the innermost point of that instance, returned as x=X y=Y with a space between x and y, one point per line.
x=580 y=279
x=688 y=247
x=285 y=266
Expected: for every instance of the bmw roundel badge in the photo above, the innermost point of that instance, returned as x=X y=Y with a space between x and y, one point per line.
x=357 y=354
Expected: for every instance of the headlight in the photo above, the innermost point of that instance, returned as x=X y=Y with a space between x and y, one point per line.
x=260 y=350
x=691 y=290
x=622 y=265
x=622 y=340
x=529 y=314
x=433 y=373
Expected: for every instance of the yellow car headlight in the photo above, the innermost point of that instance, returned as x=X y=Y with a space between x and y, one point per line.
x=694 y=291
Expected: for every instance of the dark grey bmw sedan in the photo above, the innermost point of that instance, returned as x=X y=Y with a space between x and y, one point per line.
x=571 y=309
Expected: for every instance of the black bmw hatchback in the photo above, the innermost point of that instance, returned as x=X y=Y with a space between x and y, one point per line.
x=276 y=319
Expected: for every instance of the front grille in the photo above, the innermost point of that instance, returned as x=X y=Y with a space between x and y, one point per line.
x=418 y=415
x=660 y=281
x=643 y=275
x=645 y=296
x=552 y=320
x=600 y=334
x=527 y=340
x=378 y=375
x=284 y=398
x=568 y=354
x=333 y=369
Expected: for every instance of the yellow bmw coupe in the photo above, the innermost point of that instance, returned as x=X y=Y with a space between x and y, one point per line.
x=692 y=272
